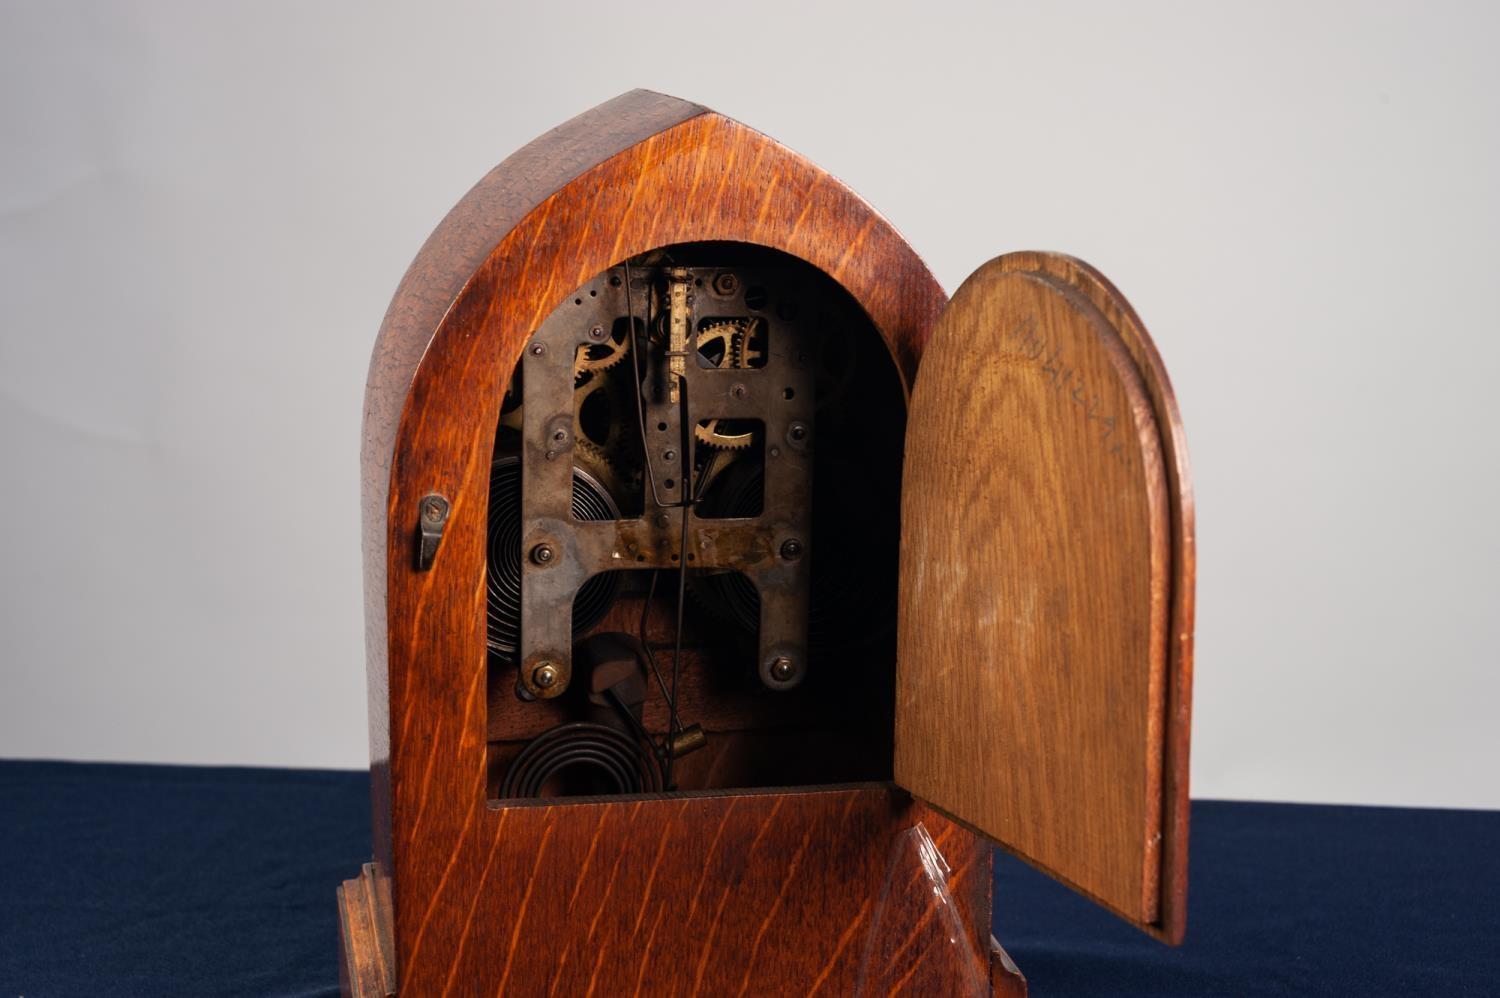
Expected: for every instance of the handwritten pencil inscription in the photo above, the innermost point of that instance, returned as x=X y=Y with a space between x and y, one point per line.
x=1054 y=364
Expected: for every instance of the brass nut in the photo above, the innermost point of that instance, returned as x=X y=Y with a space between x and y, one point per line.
x=783 y=669
x=543 y=554
x=545 y=676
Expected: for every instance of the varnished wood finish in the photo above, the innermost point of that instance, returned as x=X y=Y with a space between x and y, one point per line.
x=1006 y=979
x=752 y=893
x=715 y=895
x=365 y=964
x=1044 y=658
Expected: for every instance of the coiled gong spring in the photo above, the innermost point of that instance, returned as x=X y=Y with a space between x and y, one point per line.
x=591 y=501
x=582 y=758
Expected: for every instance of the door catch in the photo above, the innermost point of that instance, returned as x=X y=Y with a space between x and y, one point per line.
x=431 y=520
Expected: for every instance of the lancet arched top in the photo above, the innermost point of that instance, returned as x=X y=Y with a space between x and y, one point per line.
x=639 y=172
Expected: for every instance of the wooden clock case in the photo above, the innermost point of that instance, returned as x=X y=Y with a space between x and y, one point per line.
x=1041 y=684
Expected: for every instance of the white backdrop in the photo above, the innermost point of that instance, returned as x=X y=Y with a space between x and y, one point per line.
x=204 y=209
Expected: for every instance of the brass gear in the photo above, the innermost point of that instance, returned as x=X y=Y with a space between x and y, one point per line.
x=750 y=347
x=603 y=355
x=604 y=432
x=727 y=344
x=709 y=432
x=604 y=436
x=717 y=343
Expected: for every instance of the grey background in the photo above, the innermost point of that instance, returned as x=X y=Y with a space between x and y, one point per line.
x=204 y=209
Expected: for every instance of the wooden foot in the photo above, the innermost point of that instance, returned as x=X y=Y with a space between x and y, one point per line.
x=1006 y=979
x=365 y=937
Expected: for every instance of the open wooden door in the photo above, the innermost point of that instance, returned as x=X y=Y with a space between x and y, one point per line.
x=1045 y=632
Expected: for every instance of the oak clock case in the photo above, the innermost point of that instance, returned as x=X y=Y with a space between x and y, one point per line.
x=729 y=589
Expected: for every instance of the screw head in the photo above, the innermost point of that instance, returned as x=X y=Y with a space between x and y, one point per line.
x=791 y=549
x=545 y=676
x=538 y=349
x=669 y=455
x=797 y=432
x=559 y=435
x=596 y=333
x=543 y=554
x=725 y=283
x=432 y=509
x=783 y=669
x=739 y=391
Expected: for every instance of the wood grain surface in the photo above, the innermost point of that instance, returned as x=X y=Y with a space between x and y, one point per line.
x=365 y=962
x=1045 y=623
x=750 y=893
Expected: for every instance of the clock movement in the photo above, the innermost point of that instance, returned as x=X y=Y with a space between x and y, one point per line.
x=730 y=590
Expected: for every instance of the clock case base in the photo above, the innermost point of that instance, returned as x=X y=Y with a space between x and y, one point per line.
x=820 y=892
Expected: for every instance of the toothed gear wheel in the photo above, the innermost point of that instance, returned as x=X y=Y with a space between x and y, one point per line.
x=718 y=343
x=601 y=423
x=727 y=345
x=603 y=427
x=750 y=350
x=720 y=433
x=603 y=355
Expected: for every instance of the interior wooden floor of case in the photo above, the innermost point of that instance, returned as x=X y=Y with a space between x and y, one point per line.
x=686 y=632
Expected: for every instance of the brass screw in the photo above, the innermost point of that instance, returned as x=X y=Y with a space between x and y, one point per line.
x=545 y=676
x=543 y=554
x=783 y=669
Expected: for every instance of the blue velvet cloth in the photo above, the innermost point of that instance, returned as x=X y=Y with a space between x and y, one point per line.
x=165 y=880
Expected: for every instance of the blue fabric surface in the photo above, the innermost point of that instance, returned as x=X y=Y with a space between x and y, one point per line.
x=164 y=880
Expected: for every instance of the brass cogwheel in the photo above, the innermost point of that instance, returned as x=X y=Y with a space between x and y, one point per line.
x=728 y=344
x=718 y=343
x=602 y=429
x=603 y=355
